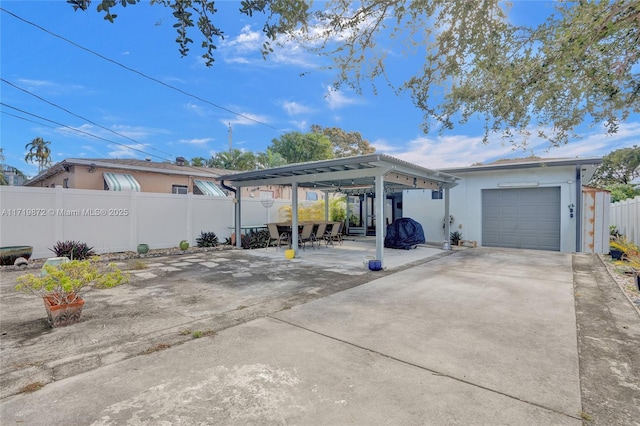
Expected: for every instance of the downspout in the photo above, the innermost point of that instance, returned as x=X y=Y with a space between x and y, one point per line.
x=236 y=213
x=578 y=208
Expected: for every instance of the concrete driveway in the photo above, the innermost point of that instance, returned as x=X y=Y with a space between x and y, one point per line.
x=484 y=336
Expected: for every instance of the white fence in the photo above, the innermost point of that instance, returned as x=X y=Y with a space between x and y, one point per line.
x=118 y=221
x=625 y=215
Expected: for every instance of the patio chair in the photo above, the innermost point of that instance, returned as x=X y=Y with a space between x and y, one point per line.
x=305 y=236
x=280 y=238
x=332 y=235
x=318 y=236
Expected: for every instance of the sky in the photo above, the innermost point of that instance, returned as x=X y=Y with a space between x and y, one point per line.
x=101 y=90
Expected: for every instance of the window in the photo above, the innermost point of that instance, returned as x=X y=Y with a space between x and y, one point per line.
x=178 y=189
x=436 y=194
x=312 y=196
x=65 y=183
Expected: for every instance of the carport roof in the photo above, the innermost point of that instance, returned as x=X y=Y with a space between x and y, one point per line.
x=351 y=175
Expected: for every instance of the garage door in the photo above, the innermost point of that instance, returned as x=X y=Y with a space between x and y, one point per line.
x=527 y=218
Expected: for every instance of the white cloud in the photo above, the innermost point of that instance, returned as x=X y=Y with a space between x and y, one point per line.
x=336 y=99
x=245 y=119
x=49 y=87
x=129 y=151
x=246 y=49
x=295 y=108
x=196 y=141
x=462 y=150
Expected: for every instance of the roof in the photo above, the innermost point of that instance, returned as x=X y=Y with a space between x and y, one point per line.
x=132 y=165
x=526 y=163
x=351 y=175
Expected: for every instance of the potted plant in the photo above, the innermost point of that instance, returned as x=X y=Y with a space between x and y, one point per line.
x=61 y=287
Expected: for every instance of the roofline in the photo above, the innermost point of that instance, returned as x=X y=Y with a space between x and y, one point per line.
x=368 y=158
x=527 y=165
x=81 y=162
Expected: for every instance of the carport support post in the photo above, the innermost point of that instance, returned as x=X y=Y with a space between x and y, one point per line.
x=237 y=213
x=326 y=205
x=294 y=217
x=379 y=215
x=447 y=221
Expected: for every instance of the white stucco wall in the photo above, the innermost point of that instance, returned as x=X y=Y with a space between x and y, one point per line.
x=466 y=202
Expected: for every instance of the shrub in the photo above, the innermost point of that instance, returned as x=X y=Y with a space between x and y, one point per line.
x=455 y=237
x=65 y=282
x=207 y=239
x=74 y=250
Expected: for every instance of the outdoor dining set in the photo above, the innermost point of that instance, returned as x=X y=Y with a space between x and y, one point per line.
x=309 y=232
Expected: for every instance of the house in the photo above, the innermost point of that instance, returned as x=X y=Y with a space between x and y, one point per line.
x=13 y=176
x=145 y=176
x=530 y=203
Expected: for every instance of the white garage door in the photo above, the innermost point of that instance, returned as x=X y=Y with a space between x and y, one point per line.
x=527 y=218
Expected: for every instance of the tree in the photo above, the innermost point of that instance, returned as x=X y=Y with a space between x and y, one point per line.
x=198 y=161
x=622 y=191
x=345 y=144
x=269 y=159
x=233 y=160
x=578 y=65
x=39 y=152
x=296 y=147
x=618 y=167
x=3 y=181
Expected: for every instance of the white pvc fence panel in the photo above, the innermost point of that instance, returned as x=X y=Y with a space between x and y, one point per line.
x=625 y=215
x=118 y=221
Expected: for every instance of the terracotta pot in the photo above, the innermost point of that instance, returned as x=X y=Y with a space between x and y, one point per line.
x=63 y=314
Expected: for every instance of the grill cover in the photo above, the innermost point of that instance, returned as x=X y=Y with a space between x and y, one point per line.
x=404 y=233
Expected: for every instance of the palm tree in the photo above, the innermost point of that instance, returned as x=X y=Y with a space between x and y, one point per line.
x=39 y=152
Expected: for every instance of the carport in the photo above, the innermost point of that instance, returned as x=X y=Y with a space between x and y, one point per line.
x=373 y=174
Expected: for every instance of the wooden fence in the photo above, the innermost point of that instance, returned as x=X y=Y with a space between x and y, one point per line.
x=625 y=215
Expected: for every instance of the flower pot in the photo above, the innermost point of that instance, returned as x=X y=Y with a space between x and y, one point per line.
x=65 y=314
x=143 y=248
x=184 y=245
x=615 y=254
x=289 y=254
x=375 y=265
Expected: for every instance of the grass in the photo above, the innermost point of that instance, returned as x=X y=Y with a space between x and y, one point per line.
x=156 y=348
x=31 y=387
x=137 y=265
x=586 y=416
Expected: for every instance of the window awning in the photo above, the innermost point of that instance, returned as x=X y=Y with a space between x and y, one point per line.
x=121 y=182
x=209 y=188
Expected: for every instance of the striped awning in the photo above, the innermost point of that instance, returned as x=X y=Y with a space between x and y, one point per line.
x=209 y=188
x=121 y=182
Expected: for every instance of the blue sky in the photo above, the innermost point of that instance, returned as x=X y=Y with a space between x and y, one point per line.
x=287 y=92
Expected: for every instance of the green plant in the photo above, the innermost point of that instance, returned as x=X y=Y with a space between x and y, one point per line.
x=256 y=239
x=630 y=252
x=207 y=239
x=64 y=283
x=74 y=250
x=455 y=237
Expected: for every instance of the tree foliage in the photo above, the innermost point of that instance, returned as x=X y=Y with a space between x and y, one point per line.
x=296 y=147
x=235 y=159
x=39 y=152
x=345 y=144
x=618 y=167
x=581 y=64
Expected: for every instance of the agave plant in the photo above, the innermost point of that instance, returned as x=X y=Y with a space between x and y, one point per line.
x=74 y=250
x=207 y=239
